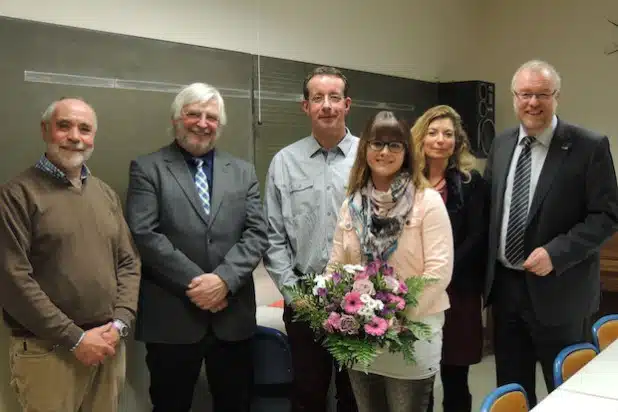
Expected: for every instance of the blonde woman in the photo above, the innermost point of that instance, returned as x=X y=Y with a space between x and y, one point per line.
x=438 y=134
x=393 y=215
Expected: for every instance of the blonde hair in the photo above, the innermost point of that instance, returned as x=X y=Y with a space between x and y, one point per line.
x=386 y=124
x=461 y=159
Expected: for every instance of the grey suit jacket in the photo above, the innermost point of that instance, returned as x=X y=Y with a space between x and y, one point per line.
x=574 y=210
x=178 y=241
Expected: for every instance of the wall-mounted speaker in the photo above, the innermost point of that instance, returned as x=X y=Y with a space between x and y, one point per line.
x=475 y=103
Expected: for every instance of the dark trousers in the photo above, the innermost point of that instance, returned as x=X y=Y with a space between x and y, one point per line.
x=313 y=368
x=175 y=368
x=457 y=397
x=521 y=340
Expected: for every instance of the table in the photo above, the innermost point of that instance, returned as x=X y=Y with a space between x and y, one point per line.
x=599 y=377
x=562 y=400
x=593 y=388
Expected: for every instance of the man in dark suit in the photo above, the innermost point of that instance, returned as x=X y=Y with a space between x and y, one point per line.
x=553 y=204
x=196 y=217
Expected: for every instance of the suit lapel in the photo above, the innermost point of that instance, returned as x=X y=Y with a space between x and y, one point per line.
x=502 y=164
x=558 y=149
x=220 y=181
x=178 y=168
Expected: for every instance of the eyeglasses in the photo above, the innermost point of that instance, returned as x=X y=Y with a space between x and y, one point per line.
x=526 y=96
x=393 y=147
x=320 y=99
x=196 y=116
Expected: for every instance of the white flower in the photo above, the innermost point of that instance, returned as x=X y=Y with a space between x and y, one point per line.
x=371 y=303
x=320 y=281
x=366 y=312
x=392 y=283
x=352 y=269
x=366 y=299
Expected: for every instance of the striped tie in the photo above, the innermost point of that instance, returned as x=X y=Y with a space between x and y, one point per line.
x=518 y=212
x=201 y=183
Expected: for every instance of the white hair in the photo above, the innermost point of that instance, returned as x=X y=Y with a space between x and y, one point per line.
x=539 y=66
x=198 y=93
x=51 y=109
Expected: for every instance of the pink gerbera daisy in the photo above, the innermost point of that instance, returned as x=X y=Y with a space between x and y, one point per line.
x=352 y=303
x=377 y=326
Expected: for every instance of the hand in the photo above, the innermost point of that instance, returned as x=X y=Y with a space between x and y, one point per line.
x=93 y=348
x=539 y=262
x=112 y=336
x=207 y=291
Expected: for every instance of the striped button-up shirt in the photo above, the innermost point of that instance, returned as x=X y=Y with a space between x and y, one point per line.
x=305 y=189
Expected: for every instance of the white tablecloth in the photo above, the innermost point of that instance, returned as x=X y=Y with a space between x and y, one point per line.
x=562 y=400
x=599 y=377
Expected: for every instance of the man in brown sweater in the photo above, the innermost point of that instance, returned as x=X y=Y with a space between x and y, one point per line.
x=69 y=274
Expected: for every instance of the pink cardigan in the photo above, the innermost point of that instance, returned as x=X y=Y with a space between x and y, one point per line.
x=425 y=248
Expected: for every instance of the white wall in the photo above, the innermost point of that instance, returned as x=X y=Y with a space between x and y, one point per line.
x=421 y=39
x=406 y=38
x=570 y=34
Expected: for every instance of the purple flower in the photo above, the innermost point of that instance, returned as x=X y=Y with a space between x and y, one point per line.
x=383 y=296
x=398 y=301
x=372 y=268
x=403 y=288
x=336 y=277
x=349 y=325
x=322 y=292
x=387 y=270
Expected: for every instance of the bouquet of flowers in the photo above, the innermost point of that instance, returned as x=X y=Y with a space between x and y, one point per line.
x=358 y=311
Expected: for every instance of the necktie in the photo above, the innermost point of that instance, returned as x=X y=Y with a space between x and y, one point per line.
x=518 y=211
x=201 y=183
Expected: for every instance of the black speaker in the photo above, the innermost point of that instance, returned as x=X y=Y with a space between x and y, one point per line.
x=475 y=103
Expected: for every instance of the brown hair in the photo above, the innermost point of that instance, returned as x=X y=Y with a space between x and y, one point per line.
x=386 y=124
x=324 y=71
x=461 y=159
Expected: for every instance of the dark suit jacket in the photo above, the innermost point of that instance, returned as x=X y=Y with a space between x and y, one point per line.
x=574 y=210
x=466 y=203
x=177 y=242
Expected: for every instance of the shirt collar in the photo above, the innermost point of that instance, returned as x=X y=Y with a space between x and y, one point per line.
x=545 y=137
x=344 y=144
x=48 y=167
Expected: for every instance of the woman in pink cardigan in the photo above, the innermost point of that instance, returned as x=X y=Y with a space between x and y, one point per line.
x=392 y=214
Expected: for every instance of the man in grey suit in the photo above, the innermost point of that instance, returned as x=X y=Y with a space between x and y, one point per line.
x=197 y=220
x=554 y=201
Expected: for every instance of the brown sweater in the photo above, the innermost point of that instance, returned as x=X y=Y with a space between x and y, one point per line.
x=67 y=261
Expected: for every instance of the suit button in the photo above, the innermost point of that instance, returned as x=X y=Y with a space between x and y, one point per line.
x=209 y=241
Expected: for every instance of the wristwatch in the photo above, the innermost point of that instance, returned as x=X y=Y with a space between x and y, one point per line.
x=121 y=327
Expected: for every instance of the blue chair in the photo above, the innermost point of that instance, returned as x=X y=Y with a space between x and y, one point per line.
x=605 y=331
x=506 y=398
x=571 y=359
x=272 y=376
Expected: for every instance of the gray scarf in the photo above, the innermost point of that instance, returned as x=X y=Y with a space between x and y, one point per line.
x=379 y=217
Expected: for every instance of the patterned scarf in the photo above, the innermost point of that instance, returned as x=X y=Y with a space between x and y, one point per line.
x=379 y=217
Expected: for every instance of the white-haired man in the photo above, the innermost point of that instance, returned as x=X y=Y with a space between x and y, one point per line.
x=69 y=276
x=554 y=201
x=196 y=217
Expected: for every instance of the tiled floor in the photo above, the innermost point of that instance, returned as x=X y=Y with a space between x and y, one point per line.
x=482 y=376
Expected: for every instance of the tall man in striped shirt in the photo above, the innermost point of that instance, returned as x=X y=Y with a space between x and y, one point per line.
x=304 y=191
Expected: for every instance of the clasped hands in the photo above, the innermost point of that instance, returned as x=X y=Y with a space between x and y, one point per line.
x=98 y=343
x=208 y=292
